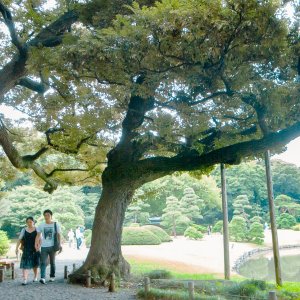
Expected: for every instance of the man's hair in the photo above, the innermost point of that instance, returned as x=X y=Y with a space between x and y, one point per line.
x=47 y=211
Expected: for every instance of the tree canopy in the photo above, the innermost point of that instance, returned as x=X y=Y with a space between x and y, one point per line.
x=186 y=83
x=139 y=90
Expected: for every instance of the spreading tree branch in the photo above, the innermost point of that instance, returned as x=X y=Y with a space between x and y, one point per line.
x=8 y=20
x=158 y=166
x=25 y=162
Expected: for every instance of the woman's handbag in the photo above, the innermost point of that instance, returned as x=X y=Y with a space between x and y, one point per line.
x=56 y=245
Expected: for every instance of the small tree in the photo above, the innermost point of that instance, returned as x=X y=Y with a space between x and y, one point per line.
x=173 y=217
x=4 y=242
x=238 y=229
x=256 y=233
x=192 y=233
x=242 y=206
x=136 y=213
x=218 y=227
x=286 y=221
x=190 y=204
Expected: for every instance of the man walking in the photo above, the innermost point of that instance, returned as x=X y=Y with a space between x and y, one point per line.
x=46 y=230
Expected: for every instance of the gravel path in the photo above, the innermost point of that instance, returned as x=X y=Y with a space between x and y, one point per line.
x=60 y=289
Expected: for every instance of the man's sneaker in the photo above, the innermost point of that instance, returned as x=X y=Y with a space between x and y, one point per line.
x=52 y=279
x=42 y=280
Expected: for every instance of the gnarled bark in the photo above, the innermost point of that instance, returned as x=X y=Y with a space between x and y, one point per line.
x=105 y=256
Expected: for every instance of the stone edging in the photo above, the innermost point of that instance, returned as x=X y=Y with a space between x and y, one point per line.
x=242 y=259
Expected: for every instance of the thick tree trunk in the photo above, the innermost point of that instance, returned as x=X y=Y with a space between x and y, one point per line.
x=105 y=254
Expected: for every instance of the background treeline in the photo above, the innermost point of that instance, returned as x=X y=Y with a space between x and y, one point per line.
x=21 y=196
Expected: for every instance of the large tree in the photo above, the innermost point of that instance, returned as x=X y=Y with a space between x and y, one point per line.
x=178 y=86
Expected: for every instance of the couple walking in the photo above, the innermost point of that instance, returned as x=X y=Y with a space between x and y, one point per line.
x=38 y=245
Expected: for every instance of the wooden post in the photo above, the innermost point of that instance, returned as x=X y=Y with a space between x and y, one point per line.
x=225 y=224
x=112 y=285
x=147 y=285
x=272 y=295
x=191 y=290
x=66 y=272
x=1 y=274
x=13 y=274
x=272 y=219
x=89 y=278
x=74 y=267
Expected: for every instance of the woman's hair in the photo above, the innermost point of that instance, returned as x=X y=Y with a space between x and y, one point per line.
x=30 y=218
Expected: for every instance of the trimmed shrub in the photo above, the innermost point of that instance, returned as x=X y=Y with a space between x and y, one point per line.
x=256 y=233
x=238 y=229
x=159 y=232
x=4 y=242
x=200 y=228
x=218 y=227
x=159 y=274
x=139 y=236
x=192 y=233
x=286 y=221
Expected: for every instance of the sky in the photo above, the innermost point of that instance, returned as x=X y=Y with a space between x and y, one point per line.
x=291 y=155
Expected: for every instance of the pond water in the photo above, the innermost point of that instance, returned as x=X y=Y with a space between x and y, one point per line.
x=262 y=267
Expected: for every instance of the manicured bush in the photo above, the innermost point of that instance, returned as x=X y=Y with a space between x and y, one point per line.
x=238 y=229
x=159 y=232
x=286 y=221
x=256 y=233
x=192 y=233
x=218 y=227
x=201 y=228
x=139 y=236
x=4 y=242
x=159 y=274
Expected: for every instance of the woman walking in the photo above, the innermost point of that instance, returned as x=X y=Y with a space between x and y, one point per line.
x=30 y=258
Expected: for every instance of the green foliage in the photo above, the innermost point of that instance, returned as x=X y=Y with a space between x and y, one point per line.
x=192 y=233
x=242 y=206
x=218 y=227
x=238 y=229
x=29 y=201
x=296 y=227
x=173 y=218
x=159 y=232
x=247 y=288
x=88 y=237
x=190 y=204
x=139 y=236
x=158 y=294
x=88 y=203
x=156 y=192
x=159 y=274
x=22 y=202
x=256 y=233
x=286 y=221
x=136 y=211
x=200 y=228
x=4 y=243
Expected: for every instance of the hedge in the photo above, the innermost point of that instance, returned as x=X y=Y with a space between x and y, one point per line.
x=159 y=232
x=139 y=236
